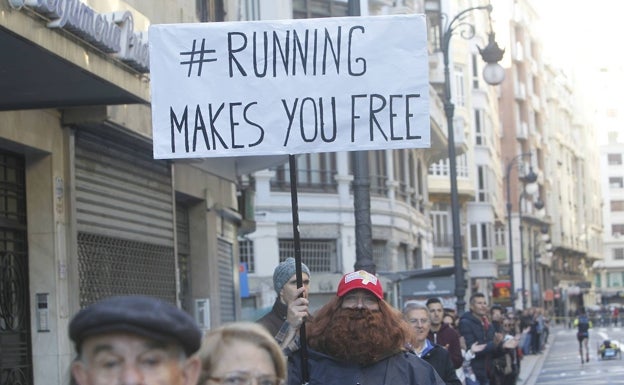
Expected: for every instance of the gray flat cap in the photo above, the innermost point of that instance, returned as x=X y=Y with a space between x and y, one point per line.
x=141 y=315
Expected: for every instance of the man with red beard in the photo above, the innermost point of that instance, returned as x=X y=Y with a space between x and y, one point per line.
x=358 y=338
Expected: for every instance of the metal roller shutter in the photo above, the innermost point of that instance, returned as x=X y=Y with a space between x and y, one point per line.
x=124 y=218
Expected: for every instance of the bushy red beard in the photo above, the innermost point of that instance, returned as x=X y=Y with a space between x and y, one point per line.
x=358 y=336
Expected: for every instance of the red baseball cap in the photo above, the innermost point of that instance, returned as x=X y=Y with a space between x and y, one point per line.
x=360 y=280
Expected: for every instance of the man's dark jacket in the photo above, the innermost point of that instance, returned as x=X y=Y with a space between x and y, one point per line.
x=439 y=358
x=448 y=338
x=471 y=328
x=274 y=319
x=403 y=368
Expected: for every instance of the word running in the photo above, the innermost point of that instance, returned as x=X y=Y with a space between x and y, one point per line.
x=311 y=52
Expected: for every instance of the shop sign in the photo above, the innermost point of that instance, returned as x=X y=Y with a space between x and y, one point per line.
x=112 y=32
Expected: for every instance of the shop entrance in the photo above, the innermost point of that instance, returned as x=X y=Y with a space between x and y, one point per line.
x=15 y=338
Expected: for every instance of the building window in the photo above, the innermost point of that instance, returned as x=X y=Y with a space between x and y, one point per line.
x=614 y=159
x=320 y=255
x=442 y=167
x=379 y=255
x=480 y=242
x=483 y=194
x=618 y=254
x=252 y=10
x=617 y=205
x=441 y=222
x=378 y=174
x=315 y=173
x=475 y=71
x=210 y=10
x=614 y=278
x=401 y=174
x=500 y=236
x=246 y=251
x=617 y=230
x=480 y=133
x=306 y=9
x=616 y=182
x=460 y=93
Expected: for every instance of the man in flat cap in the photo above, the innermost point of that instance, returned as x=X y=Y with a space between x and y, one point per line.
x=134 y=340
x=358 y=338
x=290 y=307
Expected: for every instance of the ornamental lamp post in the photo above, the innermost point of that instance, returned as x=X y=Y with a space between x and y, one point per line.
x=530 y=187
x=493 y=74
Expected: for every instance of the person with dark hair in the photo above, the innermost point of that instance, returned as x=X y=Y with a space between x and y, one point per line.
x=290 y=307
x=496 y=317
x=583 y=324
x=443 y=334
x=134 y=340
x=506 y=367
x=475 y=326
x=437 y=356
x=357 y=337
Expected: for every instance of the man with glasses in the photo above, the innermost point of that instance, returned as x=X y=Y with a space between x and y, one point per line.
x=134 y=340
x=438 y=357
x=358 y=338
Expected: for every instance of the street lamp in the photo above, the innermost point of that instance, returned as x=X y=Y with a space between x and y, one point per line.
x=493 y=74
x=537 y=257
x=527 y=180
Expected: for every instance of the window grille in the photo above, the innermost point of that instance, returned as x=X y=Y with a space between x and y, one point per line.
x=379 y=255
x=110 y=266
x=318 y=254
x=246 y=251
x=618 y=253
x=15 y=328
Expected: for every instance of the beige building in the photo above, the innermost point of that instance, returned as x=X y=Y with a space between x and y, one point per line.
x=85 y=210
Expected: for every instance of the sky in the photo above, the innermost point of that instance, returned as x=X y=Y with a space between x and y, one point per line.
x=580 y=33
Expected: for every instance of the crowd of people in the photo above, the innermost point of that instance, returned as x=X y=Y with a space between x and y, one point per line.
x=355 y=338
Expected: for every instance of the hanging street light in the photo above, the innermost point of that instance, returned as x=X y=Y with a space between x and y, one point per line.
x=493 y=75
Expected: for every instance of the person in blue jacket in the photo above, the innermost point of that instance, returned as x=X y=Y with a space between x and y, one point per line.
x=436 y=355
x=358 y=338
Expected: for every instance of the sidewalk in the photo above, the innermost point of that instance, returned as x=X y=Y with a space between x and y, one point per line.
x=531 y=365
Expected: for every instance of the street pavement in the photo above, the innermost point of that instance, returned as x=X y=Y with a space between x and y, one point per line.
x=531 y=364
x=560 y=364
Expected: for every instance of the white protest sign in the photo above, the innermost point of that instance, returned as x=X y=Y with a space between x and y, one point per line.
x=289 y=87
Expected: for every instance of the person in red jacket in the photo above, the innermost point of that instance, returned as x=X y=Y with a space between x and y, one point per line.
x=442 y=334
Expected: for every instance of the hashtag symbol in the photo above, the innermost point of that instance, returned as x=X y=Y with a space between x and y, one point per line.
x=200 y=53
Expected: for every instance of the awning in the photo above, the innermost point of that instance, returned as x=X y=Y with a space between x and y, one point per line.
x=42 y=67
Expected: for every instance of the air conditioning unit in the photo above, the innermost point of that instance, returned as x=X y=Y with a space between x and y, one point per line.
x=616 y=235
